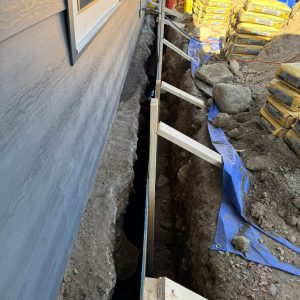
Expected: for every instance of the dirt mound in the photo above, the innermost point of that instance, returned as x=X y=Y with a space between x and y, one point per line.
x=283 y=47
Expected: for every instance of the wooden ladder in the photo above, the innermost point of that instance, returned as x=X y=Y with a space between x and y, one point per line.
x=161 y=129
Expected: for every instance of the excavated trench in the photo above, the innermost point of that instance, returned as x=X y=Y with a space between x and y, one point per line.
x=188 y=193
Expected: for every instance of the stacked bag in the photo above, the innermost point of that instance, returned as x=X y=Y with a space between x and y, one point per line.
x=180 y=5
x=252 y=26
x=281 y=113
x=188 y=6
x=211 y=18
x=212 y=12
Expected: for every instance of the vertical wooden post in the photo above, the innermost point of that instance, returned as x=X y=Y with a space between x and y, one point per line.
x=154 y=119
x=161 y=33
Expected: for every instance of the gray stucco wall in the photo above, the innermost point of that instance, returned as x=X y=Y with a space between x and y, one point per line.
x=54 y=121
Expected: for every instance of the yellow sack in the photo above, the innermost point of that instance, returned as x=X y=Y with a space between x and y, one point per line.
x=290 y=74
x=270 y=125
x=244 y=49
x=218 y=3
x=205 y=16
x=296 y=126
x=205 y=32
x=215 y=10
x=268 y=7
x=240 y=57
x=280 y=113
x=262 y=30
x=293 y=140
x=219 y=23
x=287 y=96
x=248 y=39
x=263 y=19
x=188 y=6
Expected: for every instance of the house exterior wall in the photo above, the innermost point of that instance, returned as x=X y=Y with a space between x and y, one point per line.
x=54 y=121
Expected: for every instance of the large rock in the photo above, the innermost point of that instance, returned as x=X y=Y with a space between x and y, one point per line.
x=215 y=73
x=232 y=98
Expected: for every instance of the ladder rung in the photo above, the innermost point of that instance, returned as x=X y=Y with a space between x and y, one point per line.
x=177 y=50
x=167 y=22
x=189 y=144
x=181 y=94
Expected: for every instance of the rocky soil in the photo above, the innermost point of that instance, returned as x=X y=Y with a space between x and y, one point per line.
x=101 y=245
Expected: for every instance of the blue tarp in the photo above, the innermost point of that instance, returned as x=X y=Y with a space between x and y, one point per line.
x=232 y=218
x=194 y=48
x=290 y=3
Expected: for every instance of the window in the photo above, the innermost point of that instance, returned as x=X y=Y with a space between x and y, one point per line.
x=86 y=18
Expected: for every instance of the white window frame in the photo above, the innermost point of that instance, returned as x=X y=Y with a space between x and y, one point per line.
x=85 y=23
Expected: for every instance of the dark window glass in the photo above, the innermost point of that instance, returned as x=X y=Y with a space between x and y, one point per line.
x=84 y=3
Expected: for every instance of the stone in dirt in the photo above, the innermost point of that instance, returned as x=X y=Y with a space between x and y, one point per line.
x=214 y=73
x=291 y=238
x=231 y=98
x=291 y=220
x=241 y=243
x=234 y=67
x=296 y=202
x=273 y=289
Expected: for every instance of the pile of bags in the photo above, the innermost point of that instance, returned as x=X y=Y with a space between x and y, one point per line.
x=281 y=112
x=212 y=12
x=211 y=19
x=252 y=25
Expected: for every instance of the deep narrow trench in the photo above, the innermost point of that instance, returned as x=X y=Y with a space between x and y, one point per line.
x=166 y=248
x=134 y=216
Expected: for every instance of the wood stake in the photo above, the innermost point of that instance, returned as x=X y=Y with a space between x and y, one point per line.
x=154 y=117
x=177 y=50
x=189 y=144
x=181 y=94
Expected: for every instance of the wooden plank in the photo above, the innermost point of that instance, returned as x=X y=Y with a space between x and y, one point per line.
x=181 y=94
x=171 y=24
x=175 y=13
x=175 y=291
x=154 y=117
x=161 y=33
x=177 y=50
x=189 y=144
x=17 y=15
x=150 y=289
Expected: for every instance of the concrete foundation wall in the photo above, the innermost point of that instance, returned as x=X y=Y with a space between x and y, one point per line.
x=54 y=121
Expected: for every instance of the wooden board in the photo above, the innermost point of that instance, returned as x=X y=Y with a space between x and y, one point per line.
x=177 y=50
x=189 y=144
x=181 y=94
x=164 y=288
x=154 y=115
x=150 y=289
x=174 y=291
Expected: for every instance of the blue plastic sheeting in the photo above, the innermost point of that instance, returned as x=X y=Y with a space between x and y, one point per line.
x=290 y=3
x=232 y=220
x=194 y=48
